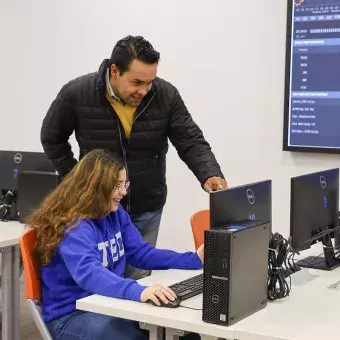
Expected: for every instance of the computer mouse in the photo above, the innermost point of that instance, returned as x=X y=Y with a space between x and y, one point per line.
x=170 y=304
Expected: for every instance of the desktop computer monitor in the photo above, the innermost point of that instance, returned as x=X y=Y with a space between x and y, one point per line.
x=315 y=209
x=34 y=186
x=246 y=202
x=14 y=162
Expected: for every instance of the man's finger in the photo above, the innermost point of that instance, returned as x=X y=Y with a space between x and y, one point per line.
x=220 y=184
x=216 y=185
x=207 y=187
x=219 y=187
x=224 y=184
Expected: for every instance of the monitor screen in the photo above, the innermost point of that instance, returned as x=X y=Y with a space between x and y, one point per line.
x=312 y=90
x=247 y=202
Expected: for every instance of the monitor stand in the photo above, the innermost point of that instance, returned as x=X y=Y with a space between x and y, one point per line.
x=328 y=262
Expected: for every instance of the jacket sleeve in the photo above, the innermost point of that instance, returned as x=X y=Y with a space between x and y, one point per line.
x=57 y=127
x=189 y=142
x=83 y=260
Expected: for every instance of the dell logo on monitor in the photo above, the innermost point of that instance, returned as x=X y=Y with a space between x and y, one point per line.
x=323 y=182
x=250 y=196
x=17 y=158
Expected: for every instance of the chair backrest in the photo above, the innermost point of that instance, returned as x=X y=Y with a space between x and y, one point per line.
x=31 y=265
x=200 y=221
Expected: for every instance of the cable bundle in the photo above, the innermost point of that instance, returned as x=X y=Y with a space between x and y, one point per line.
x=281 y=263
x=8 y=199
x=278 y=268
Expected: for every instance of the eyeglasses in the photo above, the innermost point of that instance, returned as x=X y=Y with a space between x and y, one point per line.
x=123 y=185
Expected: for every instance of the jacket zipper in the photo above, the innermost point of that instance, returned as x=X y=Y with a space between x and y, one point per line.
x=124 y=151
x=143 y=109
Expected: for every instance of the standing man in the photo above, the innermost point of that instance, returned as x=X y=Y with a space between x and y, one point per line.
x=125 y=108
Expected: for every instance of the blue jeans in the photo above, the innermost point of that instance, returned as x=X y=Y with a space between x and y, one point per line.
x=148 y=225
x=80 y=325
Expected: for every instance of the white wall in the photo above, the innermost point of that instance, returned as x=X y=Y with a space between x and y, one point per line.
x=226 y=58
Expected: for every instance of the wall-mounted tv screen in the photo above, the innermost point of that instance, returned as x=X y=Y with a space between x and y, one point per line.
x=312 y=79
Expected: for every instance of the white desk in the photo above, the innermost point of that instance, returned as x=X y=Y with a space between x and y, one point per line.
x=309 y=313
x=10 y=233
x=150 y=317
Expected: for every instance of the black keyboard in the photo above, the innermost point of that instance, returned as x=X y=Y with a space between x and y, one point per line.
x=188 y=288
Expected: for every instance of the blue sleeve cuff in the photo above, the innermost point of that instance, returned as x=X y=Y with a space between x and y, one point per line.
x=196 y=262
x=134 y=291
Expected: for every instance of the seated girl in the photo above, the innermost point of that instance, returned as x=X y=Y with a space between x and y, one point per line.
x=84 y=239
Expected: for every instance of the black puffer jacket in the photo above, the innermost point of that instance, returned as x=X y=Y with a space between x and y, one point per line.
x=82 y=106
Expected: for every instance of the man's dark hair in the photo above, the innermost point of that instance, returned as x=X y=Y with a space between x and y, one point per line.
x=130 y=48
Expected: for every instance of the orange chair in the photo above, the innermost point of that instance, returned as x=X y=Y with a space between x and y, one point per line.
x=32 y=280
x=199 y=221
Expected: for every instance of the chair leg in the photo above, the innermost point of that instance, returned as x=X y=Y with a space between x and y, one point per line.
x=38 y=320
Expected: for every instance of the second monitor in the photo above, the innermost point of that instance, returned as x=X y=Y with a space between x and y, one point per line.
x=314 y=211
x=247 y=202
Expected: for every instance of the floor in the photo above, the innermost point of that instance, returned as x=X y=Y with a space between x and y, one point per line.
x=28 y=329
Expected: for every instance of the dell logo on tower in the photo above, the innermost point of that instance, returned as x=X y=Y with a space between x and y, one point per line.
x=215 y=299
x=17 y=158
x=250 y=196
x=323 y=182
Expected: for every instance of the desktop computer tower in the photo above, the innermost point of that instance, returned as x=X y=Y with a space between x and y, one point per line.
x=33 y=187
x=235 y=272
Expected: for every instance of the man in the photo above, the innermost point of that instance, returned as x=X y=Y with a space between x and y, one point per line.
x=126 y=109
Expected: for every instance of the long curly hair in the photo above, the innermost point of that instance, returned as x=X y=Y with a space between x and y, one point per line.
x=86 y=192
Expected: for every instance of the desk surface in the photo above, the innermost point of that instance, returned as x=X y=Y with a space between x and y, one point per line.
x=10 y=233
x=309 y=313
x=177 y=318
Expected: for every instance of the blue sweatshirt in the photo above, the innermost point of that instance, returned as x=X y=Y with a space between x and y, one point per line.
x=91 y=260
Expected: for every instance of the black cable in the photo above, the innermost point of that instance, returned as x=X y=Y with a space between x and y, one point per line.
x=278 y=287
x=316 y=238
x=8 y=200
x=190 y=308
x=310 y=241
x=312 y=261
